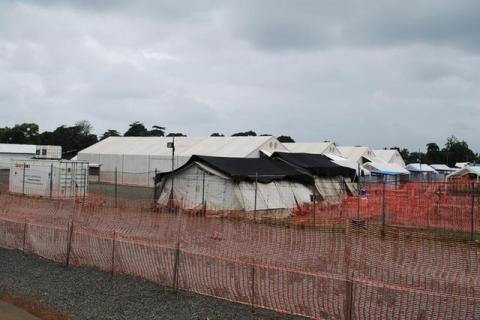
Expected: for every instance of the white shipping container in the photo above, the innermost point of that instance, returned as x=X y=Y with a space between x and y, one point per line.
x=60 y=179
x=48 y=152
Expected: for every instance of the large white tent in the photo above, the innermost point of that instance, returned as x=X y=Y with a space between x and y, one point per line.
x=390 y=156
x=221 y=184
x=137 y=158
x=325 y=148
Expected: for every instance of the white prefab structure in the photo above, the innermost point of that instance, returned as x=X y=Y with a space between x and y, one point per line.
x=58 y=179
x=10 y=151
x=48 y=152
x=137 y=158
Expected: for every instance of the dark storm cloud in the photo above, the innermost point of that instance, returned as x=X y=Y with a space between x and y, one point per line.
x=357 y=72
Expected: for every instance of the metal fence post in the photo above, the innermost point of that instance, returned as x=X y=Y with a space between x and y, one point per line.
x=113 y=252
x=204 y=203
x=23 y=178
x=358 y=192
x=51 y=180
x=116 y=191
x=69 y=244
x=24 y=235
x=155 y=188
x=472 y=213
x=176 y=263
x=255 y=200
x=252 y=284
x=314 y=205
x=383 y=206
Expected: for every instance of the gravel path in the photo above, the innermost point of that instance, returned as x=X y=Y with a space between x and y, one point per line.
x=91 y=294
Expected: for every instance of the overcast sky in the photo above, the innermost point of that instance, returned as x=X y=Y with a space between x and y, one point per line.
x=376 y=72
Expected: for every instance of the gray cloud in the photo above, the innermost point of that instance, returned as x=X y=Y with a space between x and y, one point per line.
x=381 y=73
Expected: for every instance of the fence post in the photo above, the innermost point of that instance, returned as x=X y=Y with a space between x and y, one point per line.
x=155 y=188
x=472 y=213
x=314 y=204
x=113 y=252
x=69 y=244
x=383 y=207
x=116 y=176
x=51 y=180
x=255 y=200
x=358 y=192
x=175 y=266
x=252 y=284
x=348 y=307
x=204 y=204
x=23 y=178
x=24 y=235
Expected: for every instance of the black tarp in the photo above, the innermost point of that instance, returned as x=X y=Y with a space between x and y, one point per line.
x=263 y=170
x=316 y=164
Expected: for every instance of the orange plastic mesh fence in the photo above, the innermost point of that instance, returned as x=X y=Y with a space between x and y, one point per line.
x=350 y=271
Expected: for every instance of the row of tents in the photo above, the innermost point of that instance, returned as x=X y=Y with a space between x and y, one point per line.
x=138 y=158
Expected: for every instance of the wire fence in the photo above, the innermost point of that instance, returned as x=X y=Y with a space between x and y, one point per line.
x=335 y=250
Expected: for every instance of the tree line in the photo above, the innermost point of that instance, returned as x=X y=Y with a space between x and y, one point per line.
x=79 y=136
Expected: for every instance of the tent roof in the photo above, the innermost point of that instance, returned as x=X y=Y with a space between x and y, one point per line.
x=389 y=155
x=18 y=148
x=385 y=168
x=461 y=164
x=184 y=146
x=308 y=147
x=317 y=164
x=420 y=167
x=355 y=153
x=443 y=167
x=464 y=171
x=248 y=169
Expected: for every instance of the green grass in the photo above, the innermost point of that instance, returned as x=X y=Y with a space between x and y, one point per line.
x=123 y=192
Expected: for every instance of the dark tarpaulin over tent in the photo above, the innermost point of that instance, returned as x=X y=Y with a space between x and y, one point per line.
x=249 y=169
x=316 y=164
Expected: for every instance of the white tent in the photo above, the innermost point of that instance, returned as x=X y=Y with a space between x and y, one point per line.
x=385 y=168
x=224 y=184
x=390 y=156
x=471 y=171
x=358 y=154
x=137 y=158
x=313 y=148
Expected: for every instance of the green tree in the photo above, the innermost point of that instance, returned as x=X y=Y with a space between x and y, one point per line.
x=72 y=139
x=216 y=134
x=110 y=133
x=137 y=129
x=176 y=134
x=25 y=133
x=157 y=131
x=245 y=134
x=285 y=139
x=457 y=151
x=434 y=154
